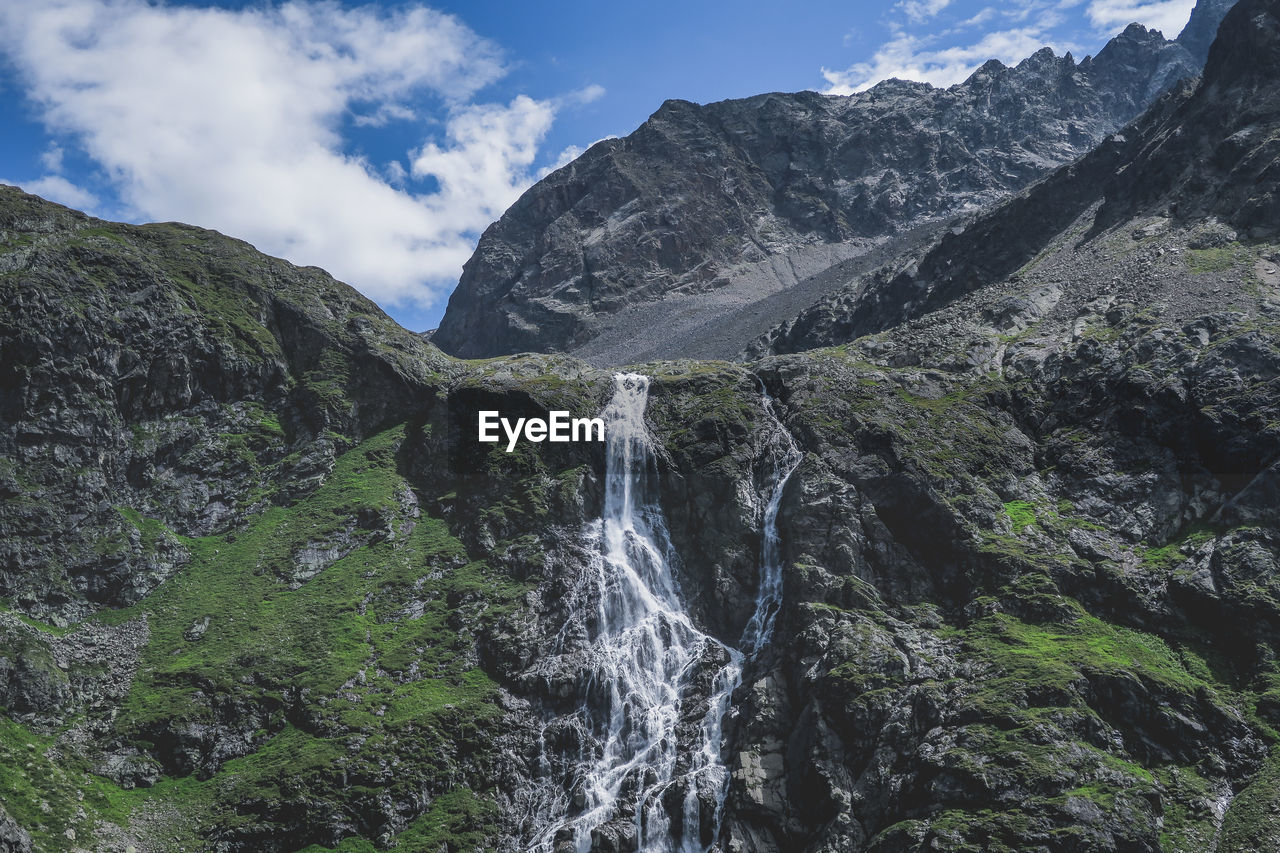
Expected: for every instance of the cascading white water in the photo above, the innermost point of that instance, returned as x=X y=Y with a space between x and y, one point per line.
x=784 y=457
x=636 y=652
x=641 y=647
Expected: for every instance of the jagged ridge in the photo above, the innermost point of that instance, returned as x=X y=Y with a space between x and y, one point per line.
x=700 y=196
x=1200 y=152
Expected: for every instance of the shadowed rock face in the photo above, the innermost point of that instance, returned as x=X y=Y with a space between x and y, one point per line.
x=108 y=327
x=701 y=196
x=1216 y=155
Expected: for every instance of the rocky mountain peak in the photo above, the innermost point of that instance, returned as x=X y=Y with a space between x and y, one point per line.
x=1214 y=155
x=1202 y=157
x=988 y=69
x=1044 y=60
x=690 y=236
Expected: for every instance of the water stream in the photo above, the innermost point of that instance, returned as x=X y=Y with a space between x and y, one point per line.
x=783 y=457
x=642 y=652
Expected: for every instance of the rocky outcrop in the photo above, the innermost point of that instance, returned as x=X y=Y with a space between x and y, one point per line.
x=1215 y=156
x=1066 y=456
x=771 y=190
x=172 y=401
x=937 y=619
x=13 y=838
x=158 y=372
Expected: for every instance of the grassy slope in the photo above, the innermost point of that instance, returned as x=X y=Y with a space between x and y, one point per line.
x=385 y=685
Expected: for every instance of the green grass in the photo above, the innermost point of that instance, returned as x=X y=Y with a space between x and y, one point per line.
x=1050 y=657
x=151 y=530
x=1021 y=514
x=382 y=686
x=319 y=635
x=6 y=606
x=1171 y=553
x=1188 y=823
x=1031 y=714
x=229 y=311
x=108 y=231
x=1250 y=822
x=956 y=439
x=1219 y=259
x=456 y=822
x=50 y=793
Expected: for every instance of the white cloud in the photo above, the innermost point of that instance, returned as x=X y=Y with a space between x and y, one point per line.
x=920 y=11
x=384 y=115
x=396 y=173
x=232 y=120
x=484 y=165
x=910 y=58
x=1167 y=16
x=588 y=94
x=51 y=159
x=982 y=16
x=59 y=189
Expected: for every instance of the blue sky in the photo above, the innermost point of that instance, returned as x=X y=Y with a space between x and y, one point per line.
x=378 y=140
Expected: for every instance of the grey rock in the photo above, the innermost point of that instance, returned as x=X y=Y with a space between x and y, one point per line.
x=13 y=838
x=763 y=192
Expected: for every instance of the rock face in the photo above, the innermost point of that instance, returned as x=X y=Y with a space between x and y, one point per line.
x=768 y=191
x=164 y=368
x=1116 y=370
x=264 y=590
x=1202 y=28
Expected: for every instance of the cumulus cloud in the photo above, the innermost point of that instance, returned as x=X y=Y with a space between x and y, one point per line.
x=1167 y=16
x=233 y=119
x=587 y=94
x=909 y=57
x=481 y=168
x=51 y=159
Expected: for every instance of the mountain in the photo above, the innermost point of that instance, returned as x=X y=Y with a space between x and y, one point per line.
x=998 y=570
x=708 y=224
x=109 y=326
x=1202 y=27
x=1202 y=155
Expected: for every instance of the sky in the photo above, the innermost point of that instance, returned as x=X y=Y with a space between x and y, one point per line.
x=378 y=140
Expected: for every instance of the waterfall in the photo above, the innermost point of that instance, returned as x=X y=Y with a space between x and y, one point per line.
x=784 y=458
x=635 y=652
